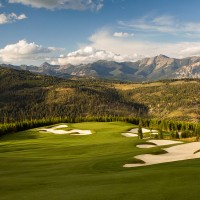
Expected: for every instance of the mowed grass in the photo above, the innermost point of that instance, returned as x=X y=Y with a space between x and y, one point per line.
x=41 y=166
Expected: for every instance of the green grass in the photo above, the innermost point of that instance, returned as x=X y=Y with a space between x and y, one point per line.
x=41 y=166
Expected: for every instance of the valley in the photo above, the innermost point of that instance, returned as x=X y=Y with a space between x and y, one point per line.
x=99 y=100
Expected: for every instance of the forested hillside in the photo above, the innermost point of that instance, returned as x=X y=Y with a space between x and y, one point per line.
x=24 y=95
x=172 y=99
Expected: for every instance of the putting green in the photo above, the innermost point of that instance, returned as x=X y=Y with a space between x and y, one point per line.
x=41 y=166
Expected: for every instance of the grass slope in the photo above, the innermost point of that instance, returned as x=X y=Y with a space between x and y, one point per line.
x=46 y=166
x=176 y=100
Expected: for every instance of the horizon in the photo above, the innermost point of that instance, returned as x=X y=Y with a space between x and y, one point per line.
x=81 y=32
x=97 y=61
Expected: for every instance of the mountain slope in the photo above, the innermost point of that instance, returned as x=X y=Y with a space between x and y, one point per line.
x=177 y=100
x=147 y=69
x=24 y=95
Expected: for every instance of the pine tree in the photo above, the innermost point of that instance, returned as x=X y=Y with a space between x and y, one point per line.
x=140 y=133
x=160 y=131
x=177 y=135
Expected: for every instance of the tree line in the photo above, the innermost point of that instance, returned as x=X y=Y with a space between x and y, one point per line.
x=187 y=129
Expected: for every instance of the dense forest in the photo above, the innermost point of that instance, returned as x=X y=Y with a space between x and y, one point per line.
x=27 y=96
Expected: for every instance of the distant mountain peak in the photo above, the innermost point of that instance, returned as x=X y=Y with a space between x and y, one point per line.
x=147 y=69
x=162 y=56
x=45 y=64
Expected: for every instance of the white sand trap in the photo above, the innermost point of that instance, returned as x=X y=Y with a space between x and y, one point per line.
x=164 y=142
x=60 y=126
x=134 y=132
x=144 y=130
x=51 y=130
x=175 y=153
x=154 y=133
x=158 y=143
x=80 y=132
x=71 y=132
x=145 y=146
x=129 y=134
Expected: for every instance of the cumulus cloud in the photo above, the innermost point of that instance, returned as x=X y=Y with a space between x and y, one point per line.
x=123 y=34
x=103 y=39
x=62 y=4
x=10 y=18
x=90 y=54
x=23 y=50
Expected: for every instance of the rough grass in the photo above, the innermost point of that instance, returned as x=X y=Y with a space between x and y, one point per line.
x=58 y=167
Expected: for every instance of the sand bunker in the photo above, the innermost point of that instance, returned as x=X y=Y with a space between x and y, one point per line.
x=157 y=143
x=154 y=133
x=145 y=146
x=71 y=132
x=164 y=142
x=133 y=132
x=60 y=126
x=175 y=153
x=51 y=130
x=79 y=132
x=129 y=134
x=144 y=130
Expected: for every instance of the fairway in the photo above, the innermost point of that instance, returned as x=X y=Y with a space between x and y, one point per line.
x=36 y=165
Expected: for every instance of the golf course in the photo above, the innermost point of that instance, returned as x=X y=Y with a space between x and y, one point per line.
x=88 y=163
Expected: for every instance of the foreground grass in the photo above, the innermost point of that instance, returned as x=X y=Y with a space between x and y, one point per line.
x=42 y=165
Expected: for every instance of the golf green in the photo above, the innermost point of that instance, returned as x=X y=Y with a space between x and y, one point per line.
x=39 y=165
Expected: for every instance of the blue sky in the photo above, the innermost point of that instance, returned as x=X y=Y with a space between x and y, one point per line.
x=83 y=31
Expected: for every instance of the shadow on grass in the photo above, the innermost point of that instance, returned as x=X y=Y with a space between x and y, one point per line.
x=197 y=151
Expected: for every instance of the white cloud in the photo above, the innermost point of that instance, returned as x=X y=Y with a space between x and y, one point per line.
x=191 y=50
x=123 y=34
x=22 y=50
x=164 y=20
x=163 y=24
x=90 y=54
x=63 y=4
x=22 y=16
x=102 y=46
x=104 y=39
x=10 y=18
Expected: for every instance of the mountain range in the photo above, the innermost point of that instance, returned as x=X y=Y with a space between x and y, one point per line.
x=148 y=69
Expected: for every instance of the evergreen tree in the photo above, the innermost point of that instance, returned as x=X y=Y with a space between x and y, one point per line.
x=177 y=135
x=160 y=134
x=160 y=131
x=140 y=133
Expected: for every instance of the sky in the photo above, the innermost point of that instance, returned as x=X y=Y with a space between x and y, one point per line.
x=85 y=31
